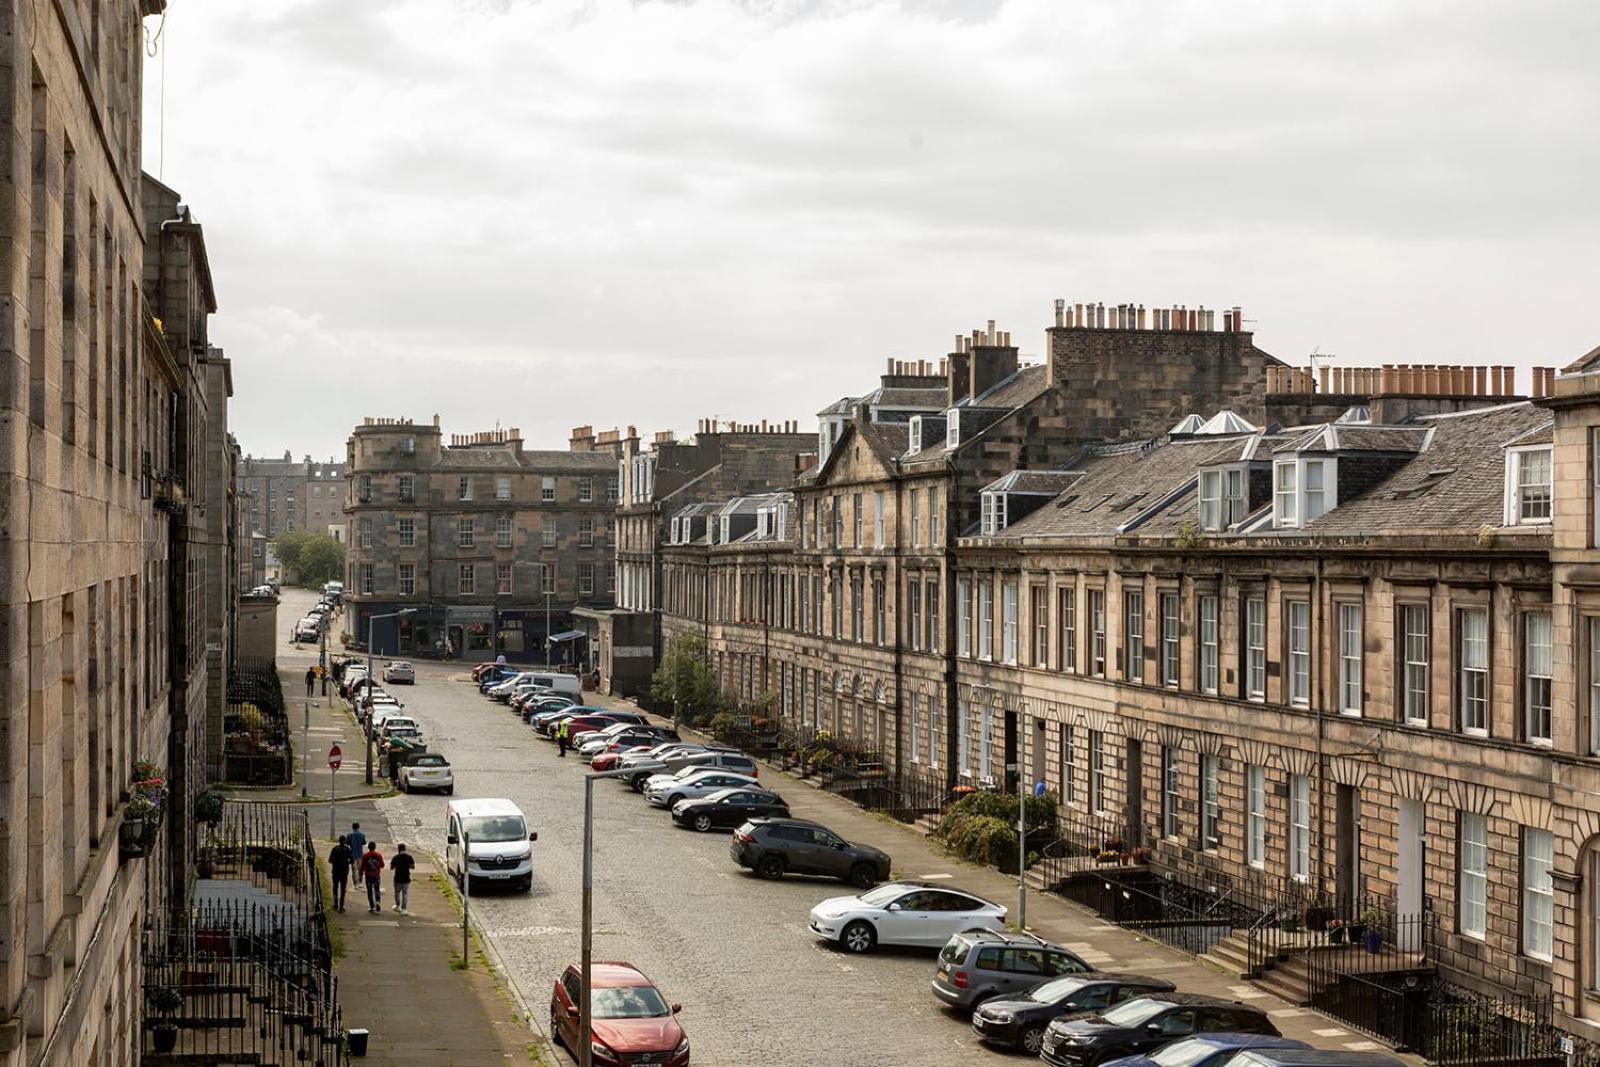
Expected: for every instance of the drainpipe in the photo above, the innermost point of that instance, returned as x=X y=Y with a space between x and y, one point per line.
x=947 y=537
x=895 y=571
x=1320 y=697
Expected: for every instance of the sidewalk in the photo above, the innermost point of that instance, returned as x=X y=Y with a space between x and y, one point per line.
x=398 y=979
x=1099 y=942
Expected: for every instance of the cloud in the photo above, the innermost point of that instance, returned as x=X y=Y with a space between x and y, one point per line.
x=557 y=212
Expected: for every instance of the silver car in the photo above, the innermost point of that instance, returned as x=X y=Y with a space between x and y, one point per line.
x=400 y=671
x=666 y=790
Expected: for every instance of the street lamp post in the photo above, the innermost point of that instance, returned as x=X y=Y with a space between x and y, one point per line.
x=367 y=729
x=585 y=1050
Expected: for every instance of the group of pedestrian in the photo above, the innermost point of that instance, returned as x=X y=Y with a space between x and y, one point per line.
x=356 y=861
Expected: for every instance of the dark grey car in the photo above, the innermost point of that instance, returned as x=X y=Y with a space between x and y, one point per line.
x=775 y=847
x=975 y=965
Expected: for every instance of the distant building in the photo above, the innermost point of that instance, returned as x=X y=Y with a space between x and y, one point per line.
x=492 y=544
x=293 y=494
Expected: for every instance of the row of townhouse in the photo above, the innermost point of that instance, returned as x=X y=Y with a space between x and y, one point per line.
x=1336 y=633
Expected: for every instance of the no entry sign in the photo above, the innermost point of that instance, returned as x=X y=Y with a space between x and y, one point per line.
x=334 y=757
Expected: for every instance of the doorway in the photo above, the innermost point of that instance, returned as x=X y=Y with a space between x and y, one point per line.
x=1036 y=765
x=1133 y=802
x=1347 y=843
x=1012 y=769
x=1409 y=869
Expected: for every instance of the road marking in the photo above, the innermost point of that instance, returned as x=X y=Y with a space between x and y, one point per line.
x=1362 y=1046
x=1288 y=1013
x=1332 y=1032
x=378 y=922
x=934 y=877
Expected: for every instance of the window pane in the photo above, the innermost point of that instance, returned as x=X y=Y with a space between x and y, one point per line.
x=1414 y=630
x=1538 y=893
x=1538 y=663
x=1473 y=874
x=1350 y=659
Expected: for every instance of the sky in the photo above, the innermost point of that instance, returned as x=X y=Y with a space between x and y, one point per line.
x=553 y=213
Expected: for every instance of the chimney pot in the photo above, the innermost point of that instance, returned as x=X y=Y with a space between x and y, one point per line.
x=1324 y=379
x=1061 y=312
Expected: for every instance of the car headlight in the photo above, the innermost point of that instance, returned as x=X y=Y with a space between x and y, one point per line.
x=597 y=1049
x=682 y=1049
x=999 y=1016
x=1080 y=1039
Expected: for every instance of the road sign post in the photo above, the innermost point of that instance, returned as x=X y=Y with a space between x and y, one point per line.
x=335 y=757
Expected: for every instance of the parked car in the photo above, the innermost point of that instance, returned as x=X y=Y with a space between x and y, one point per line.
x=1019 y=1020
x=975 y=965
x=903 y=913
x=660 y=783
x=629 y=1020
x=1212 y=1050
x=599 y=716
x=727 y=759
x=579 y=738
x=728 y=808
x=702 y=783
x=307 y=629
x=775 y=847
x=1137 y=1027
x=607 y=761
x=541 y=715
x=628 y=738
x=498 y=837
x=619 y=721
x=427 y=770
x=400 y=671
x=497 y=673
x=1286 y=1057
x=390 y=723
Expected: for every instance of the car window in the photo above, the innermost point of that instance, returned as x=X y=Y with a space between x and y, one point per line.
x=1064 y=963
x=572 y=984
x=989 y=959
x=826 y=839
x=1025 y=961
x=1126 y=992
x=1178 y=1022
x=917 y=901
x=952 y=902
x=1097 y=996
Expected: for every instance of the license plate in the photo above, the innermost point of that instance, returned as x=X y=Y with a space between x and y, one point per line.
x=944 y=975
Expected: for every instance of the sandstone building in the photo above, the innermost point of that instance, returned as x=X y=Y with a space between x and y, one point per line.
x=495 y=545
x=1304 y=637
x=293 y=494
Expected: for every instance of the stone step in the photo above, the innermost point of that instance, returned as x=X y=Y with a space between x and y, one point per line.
x=1286 y=982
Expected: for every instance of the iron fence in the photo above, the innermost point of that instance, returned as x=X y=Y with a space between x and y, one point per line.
x=256 y=747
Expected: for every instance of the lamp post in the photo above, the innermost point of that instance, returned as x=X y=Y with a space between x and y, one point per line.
x=368 y=728
x=585 y=1050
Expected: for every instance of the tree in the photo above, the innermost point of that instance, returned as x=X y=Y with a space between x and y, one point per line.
x=686 y=679
x=310 y=558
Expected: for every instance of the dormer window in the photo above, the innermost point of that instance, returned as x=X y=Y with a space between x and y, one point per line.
x=1528 y=486
x=1303 y=489
x=914 y=445
x=761 y=522
x=726 y=525
x=952 y=430
x=994 y=513
x=782 y=532
x=1222 y=499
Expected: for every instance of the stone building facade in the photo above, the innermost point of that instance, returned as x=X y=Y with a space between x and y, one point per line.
x=111 y=403
x=1329 y=637
x=293 y=494
x=658 y=479
x=494 y=545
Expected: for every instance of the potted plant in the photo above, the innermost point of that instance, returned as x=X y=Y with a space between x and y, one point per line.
x=1289 y=924
x=204 y=865
x=208 y=807
x=140 y=821
x=1336 y=932
x=1373 y=938
x=164 y=1000
x=1141 y=855
x=1317 y=917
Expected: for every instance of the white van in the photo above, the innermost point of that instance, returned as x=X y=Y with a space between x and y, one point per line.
x=499 y=838
x=567 y=685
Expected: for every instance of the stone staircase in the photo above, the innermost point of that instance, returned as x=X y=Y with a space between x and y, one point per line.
x=1285 y=977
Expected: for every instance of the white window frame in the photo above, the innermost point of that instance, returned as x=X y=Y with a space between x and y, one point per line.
x=1210 y=804
x=1210 y=645
x=914 y=531
x=880 y=615
x=586 y=579
x=985 y=619
x=1593 y=626
x=503 y=582
x=1532 y=503
x=502 y=531
x=914 y=613
x=1472 y=875
x=367 y=578
x=1171 y=790
x=1067 y=623
x=1222 y=501
x=408 y=487
x=916 y=737
x=1416 y=662
x=1300 y=828
x=933 y=730
x=993 y=519
x=1350 y=649
x=857 y=520
x=1255 y=648
x=1008 y=622
x=464 y=487
x=1294 y=501
x=914 y=439
x=1097 y=771
x=585 y=531
x=1097 y=633
x=466 y=579
x=877 y=520
x=952 y=428
x=1255 y=777
x=1472 y=671
x=502 y=487
x=1538 y=676
x=547 y=489
x=1039 y=618
x=1297 y=627
x=466 y=533
x=1069 y=764
x=964 y=738
x=1133 y=635
x=364 y=531
x=985 y=741
x=547 y=578
x=407 y=578
x=1538 y=893
x=585 y=489
x=1171 y=649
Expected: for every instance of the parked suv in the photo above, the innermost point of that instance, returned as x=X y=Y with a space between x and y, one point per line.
x=774 y=847
x=1139 y=1027
x=728 y=760
x=975 y=965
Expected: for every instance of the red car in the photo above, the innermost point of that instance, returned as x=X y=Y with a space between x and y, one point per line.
x=576 y=724
x=629 y=1019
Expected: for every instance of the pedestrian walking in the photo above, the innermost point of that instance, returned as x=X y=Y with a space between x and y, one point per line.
x=311 y=682
x=372 y=870
x=358 y=844
x=401 y=865
x=339 y=866
x=561 y=739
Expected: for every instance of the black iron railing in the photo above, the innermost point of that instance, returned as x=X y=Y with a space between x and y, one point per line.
x=256 y=746
x=1182 y=910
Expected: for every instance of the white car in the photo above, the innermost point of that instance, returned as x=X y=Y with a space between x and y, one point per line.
x=903 y=913
x=427 y=770
x=702 y=783
x=399 y=671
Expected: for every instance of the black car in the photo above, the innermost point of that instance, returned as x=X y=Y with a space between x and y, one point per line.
x=1019 y=1020
x=775 y=847
x=728 y=808
x=1137 y=1027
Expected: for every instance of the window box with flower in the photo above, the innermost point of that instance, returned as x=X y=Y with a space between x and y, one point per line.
x=141 y=816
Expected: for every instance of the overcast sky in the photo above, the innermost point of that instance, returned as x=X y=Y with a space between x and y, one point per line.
x=545 y=213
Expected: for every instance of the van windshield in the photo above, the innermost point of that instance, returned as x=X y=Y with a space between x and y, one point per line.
x=486 y=828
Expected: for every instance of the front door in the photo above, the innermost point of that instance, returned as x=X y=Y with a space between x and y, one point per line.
x=1408 y=875
x=1347 y=844
x=1133 y=806
x=1036 y=772
x=1011 y=751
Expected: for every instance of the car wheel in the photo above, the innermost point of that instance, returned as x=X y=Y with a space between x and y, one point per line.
x=858 y=937
x=672 y=801
x=770 y=867
x=702 y=822
x=404 y=787
x=449 y=790
x=862 y=876
x=1031 y=1040
x=555 y=1030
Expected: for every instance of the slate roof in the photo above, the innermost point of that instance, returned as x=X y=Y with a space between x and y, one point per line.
x=1033 y=483
x=1013 y=392
x=553 y=461
x=1355 y=437
x=901 y=397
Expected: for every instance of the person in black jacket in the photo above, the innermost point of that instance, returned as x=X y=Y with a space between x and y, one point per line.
x=339 y=867
x=311 y=682
x=401 y=865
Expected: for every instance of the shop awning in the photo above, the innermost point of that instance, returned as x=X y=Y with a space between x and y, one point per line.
x=566 y=635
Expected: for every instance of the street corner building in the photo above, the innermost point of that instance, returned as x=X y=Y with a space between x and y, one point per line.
x=490 y=546
x=1307 y=642
x=116 y=537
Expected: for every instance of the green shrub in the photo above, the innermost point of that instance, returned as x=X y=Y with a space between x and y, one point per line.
x=723 y=725
x=982 y=826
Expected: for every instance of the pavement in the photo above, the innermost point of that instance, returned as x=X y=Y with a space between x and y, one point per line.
x=399 y=975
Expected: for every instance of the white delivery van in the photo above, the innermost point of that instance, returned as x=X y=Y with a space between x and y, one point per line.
x=566 y=685
x=498 y=837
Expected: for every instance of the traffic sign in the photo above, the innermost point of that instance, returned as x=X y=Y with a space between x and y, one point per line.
x=335 y=757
